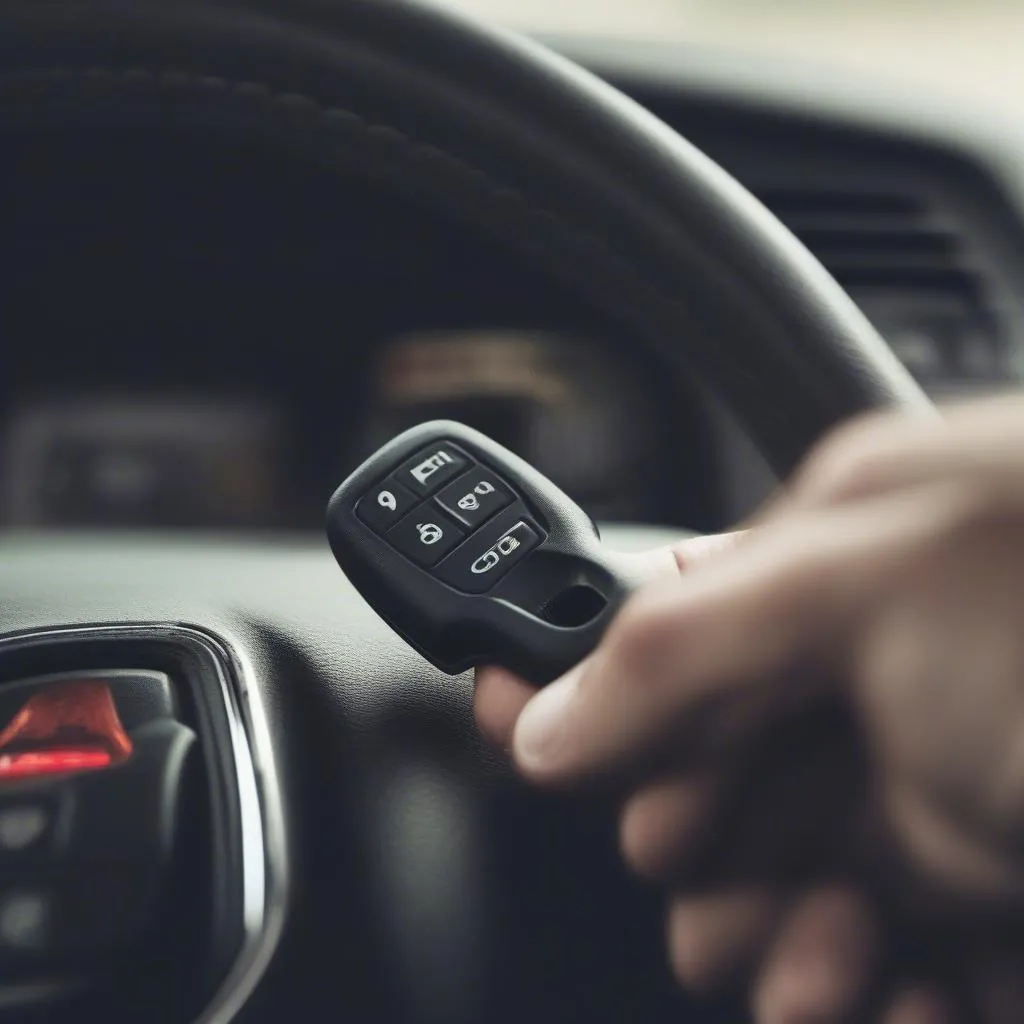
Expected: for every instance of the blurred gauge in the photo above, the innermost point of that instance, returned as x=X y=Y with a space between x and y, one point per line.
x=568 y=407
x=117 y=462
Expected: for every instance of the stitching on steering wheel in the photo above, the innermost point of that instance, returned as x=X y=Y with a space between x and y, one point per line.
x=386 y=137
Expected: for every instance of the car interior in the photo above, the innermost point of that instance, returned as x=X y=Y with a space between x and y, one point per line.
x=246 y=242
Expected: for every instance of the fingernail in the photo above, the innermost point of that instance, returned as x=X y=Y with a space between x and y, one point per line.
x=542 y=723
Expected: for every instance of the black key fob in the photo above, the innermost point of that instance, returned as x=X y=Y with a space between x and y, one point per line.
x=474 y=557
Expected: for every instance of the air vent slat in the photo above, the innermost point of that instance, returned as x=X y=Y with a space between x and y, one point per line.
x=908 y=279
x=856 y=223
x=878 y=258
x=907 y=261
x=881 y=239
x=821 y=202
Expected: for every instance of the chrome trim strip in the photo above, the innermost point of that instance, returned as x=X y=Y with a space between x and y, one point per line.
x=264 y=846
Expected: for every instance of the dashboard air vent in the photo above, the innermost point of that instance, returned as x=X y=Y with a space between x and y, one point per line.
x=903 y=258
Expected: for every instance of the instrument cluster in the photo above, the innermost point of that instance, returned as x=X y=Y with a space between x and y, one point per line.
x=577 y=409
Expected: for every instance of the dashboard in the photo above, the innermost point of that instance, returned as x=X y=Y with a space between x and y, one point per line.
x=225 y=370
x=267 y=458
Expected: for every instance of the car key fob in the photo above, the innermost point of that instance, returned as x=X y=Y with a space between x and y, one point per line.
x=474 y=557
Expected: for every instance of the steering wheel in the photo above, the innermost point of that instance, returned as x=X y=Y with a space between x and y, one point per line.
x=388 y=866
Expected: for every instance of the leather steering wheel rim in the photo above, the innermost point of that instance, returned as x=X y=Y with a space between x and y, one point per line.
x=392 y=806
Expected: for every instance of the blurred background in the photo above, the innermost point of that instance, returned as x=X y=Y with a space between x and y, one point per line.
x=963 y=48
x=199 y=337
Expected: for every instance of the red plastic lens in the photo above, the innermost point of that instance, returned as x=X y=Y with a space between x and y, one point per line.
x=33 y=763
x=66 y=727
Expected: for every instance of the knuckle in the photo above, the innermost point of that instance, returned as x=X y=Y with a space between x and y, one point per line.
x=638 y=638
x=663 y=826
x=845 y=464
x=974 y=510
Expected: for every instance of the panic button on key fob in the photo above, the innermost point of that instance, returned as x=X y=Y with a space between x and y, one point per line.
x=474 y=557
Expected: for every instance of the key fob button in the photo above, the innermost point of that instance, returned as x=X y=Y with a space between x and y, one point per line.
x=481 y=562
x=425 y=536
x=385 y=505
x=475 y=497
x=431 y=468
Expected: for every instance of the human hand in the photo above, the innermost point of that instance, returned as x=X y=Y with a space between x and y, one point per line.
x=821 y=715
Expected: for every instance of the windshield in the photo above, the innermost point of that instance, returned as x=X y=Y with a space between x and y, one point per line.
x=973 y=49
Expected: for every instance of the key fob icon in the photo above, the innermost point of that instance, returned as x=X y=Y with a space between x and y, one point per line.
x=470 y=502
x=507 y=545
x=485 y=563
x=430 y=533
